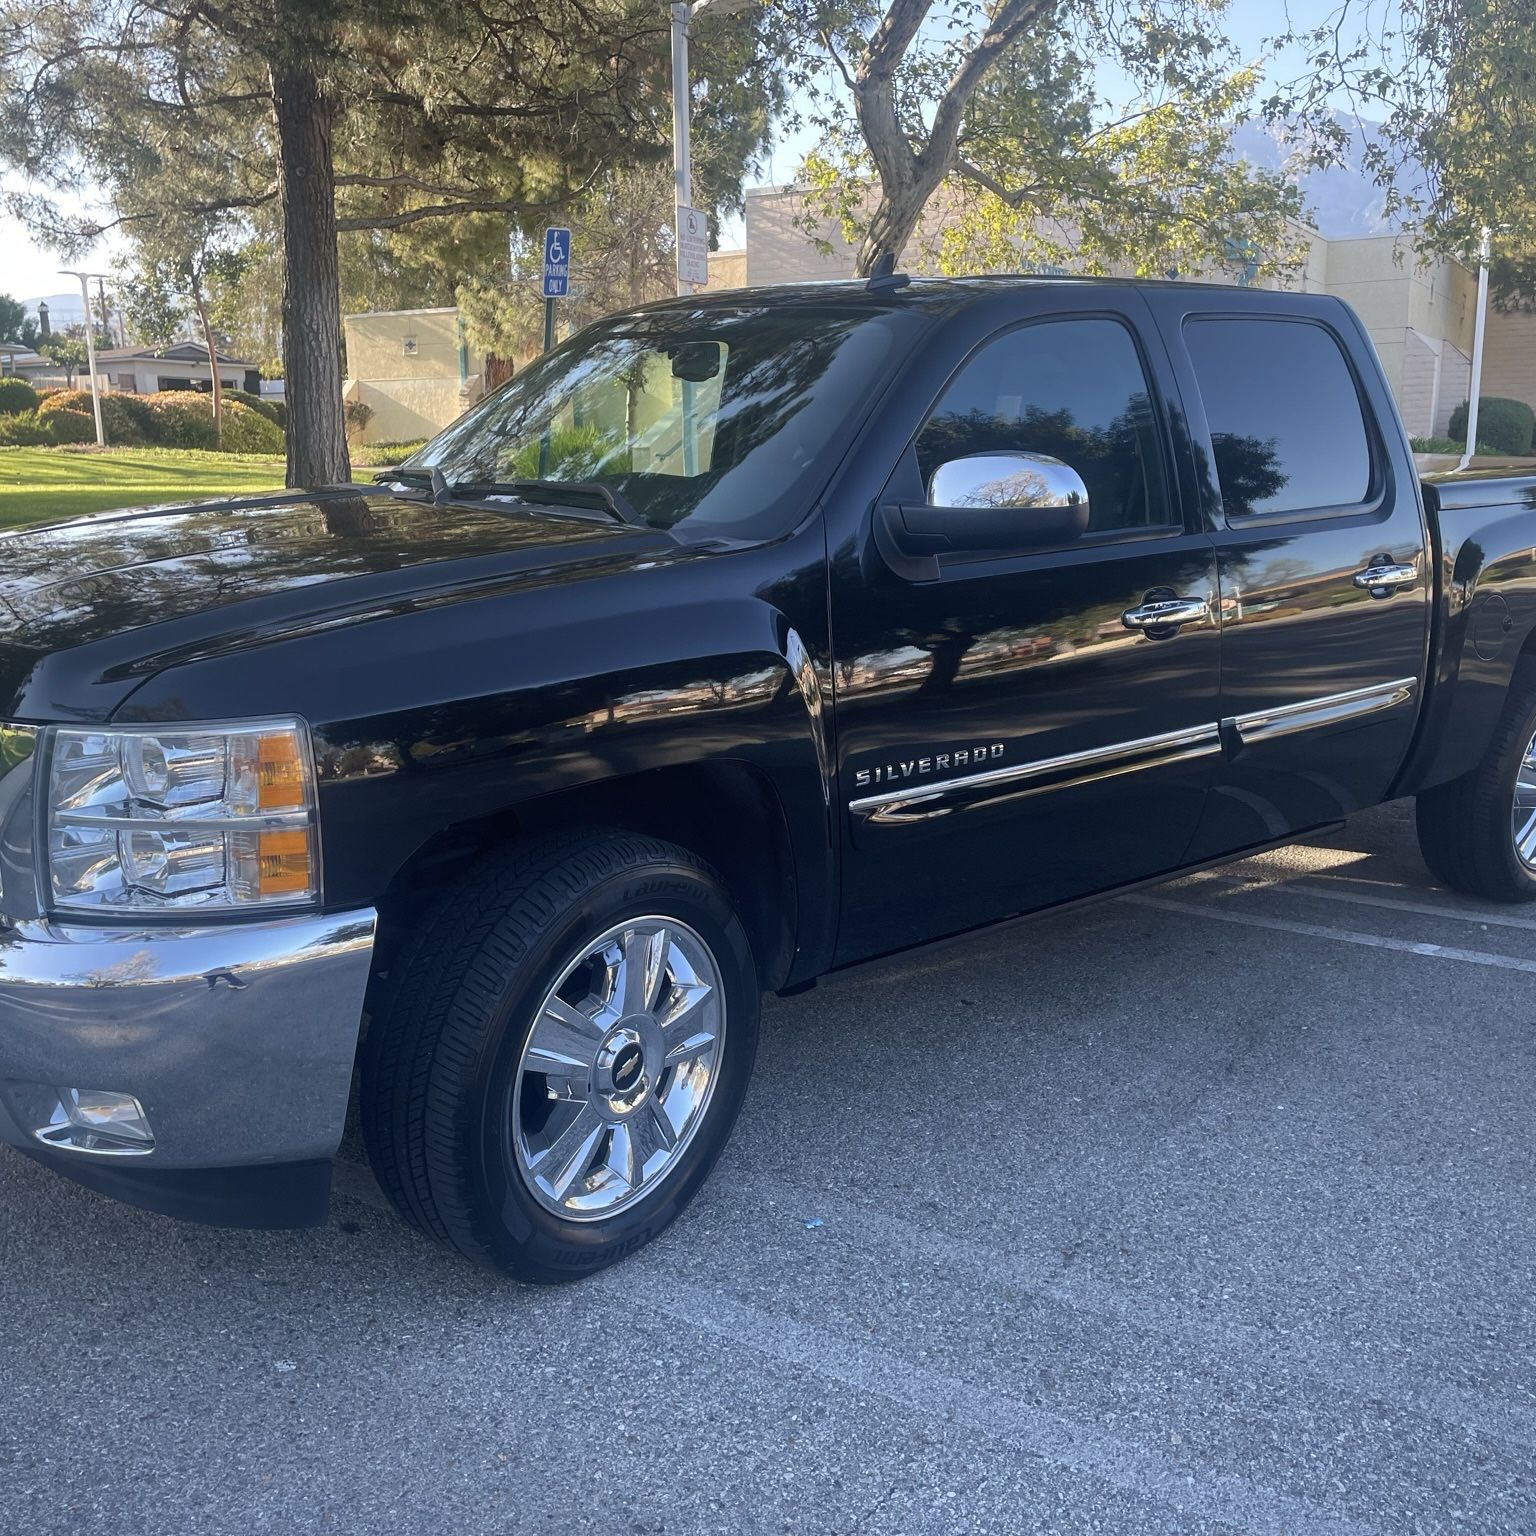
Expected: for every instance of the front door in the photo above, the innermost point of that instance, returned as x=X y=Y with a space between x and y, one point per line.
x=1006 y=737
x=1324 y=580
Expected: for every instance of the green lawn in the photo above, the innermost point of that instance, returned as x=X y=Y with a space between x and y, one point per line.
x=43 y=485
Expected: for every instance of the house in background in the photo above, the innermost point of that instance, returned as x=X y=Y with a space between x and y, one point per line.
x=410 y=367
x=147 y=370
x=19 y=362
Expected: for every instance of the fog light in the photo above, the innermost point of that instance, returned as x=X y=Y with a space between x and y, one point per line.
x=93 y=1120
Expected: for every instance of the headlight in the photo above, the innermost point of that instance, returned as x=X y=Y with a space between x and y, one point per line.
x=160 y=820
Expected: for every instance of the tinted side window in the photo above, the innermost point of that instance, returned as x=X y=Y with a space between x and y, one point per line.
x=1286 y=425
x=1073 y=389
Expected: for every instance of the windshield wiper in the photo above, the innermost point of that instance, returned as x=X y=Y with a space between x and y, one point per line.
x=410 y=477
x=572 y=495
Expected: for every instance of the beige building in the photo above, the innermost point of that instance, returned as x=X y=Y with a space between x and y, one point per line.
x=1419 y=316
x=411 y=368
x=1509 y=355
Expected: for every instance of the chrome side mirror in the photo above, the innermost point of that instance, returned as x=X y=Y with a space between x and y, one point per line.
x=1050 y=492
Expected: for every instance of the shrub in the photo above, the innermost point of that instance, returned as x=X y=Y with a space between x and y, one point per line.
x=1505 y=426
x=24 y=430
x=366 y=455
x=183 y=418
x=67 y=400
x=126 y=419
x=357 y=414
x=249 y=431
x=274 y=410
x=16 y=395
x=1434 y=445
x=69 y=426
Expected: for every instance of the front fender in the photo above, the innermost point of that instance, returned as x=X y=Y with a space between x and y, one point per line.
x=442 y=714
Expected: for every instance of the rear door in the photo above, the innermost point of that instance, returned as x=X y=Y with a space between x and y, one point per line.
x=1323 y=578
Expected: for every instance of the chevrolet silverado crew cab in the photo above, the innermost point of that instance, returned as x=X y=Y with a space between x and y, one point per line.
x=741 y=638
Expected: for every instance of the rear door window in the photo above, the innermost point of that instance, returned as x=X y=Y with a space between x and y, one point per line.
x=1287 y=428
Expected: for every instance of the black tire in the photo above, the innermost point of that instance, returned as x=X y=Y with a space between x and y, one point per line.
x=440 y=1059
x=1464 y=826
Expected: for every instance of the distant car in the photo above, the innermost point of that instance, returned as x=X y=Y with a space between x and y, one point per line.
x=741 y=639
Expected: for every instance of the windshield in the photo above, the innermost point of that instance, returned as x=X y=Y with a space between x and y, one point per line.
x=717 y=417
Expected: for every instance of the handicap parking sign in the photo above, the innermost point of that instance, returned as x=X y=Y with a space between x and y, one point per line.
x=557 y=263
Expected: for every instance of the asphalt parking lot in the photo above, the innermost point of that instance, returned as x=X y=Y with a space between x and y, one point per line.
x=1209 y=1210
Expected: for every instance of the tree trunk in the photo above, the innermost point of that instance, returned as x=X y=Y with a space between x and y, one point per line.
x=213 y=363
x=317 y=437
x=891 y=225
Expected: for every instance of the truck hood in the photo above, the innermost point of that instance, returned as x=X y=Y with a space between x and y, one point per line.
x=89 y=609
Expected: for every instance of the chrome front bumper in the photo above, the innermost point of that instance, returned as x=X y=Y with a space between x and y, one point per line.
x=237 y=1039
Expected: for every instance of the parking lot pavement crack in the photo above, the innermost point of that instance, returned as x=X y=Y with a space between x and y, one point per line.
x=1130 y=1468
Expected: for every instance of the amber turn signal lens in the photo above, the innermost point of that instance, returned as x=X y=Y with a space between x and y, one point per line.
x=282 y=863
x=279 y=773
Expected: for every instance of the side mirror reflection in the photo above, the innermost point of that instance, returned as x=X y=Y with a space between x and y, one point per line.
x=1031 y=483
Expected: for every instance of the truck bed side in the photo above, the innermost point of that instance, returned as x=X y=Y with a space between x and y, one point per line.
x=1483 y=553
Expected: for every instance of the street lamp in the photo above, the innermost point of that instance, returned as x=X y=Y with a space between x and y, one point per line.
x=682 y=164
x=1484 y=256
x=90 y=348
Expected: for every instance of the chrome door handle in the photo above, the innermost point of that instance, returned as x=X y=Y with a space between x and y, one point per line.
x=1167 y=613
x=1379 y=580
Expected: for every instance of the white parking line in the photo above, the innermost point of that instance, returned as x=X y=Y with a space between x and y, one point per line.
x=1198 y=1492
x=1340 y=935
x=1300 y=887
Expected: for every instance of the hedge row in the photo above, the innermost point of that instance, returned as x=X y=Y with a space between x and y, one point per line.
x=175 y=419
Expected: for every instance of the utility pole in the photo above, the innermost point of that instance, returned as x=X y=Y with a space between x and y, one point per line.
x=90 y=346
x=1484 y=256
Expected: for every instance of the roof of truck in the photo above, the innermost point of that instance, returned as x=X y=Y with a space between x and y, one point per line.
x=948 y=292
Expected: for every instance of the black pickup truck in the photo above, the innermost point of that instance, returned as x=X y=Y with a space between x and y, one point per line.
x=740 y=639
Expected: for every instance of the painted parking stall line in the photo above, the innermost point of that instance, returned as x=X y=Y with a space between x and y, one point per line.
x=1306 y=886
x=1338 y=935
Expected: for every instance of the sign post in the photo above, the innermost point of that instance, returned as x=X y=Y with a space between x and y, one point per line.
x=557 y=277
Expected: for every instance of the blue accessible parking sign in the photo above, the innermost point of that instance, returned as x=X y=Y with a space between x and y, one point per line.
x=557 y=262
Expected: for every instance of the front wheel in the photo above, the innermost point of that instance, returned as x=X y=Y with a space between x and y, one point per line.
x=563 y=1055
x=1478 y=833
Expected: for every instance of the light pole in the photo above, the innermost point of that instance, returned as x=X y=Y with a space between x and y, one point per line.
x=682 y=162
x=90 y=348
x=1484 y=256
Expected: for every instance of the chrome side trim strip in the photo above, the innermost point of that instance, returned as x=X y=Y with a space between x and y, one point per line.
x=1267 y=724
x=916 y=803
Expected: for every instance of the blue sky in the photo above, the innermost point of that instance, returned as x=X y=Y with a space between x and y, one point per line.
x=28 y=270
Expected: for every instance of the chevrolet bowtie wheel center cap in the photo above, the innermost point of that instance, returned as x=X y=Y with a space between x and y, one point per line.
x=627 y=1066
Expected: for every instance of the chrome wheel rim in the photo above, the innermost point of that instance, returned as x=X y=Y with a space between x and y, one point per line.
x=1522 y=815
x=619 y=1068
